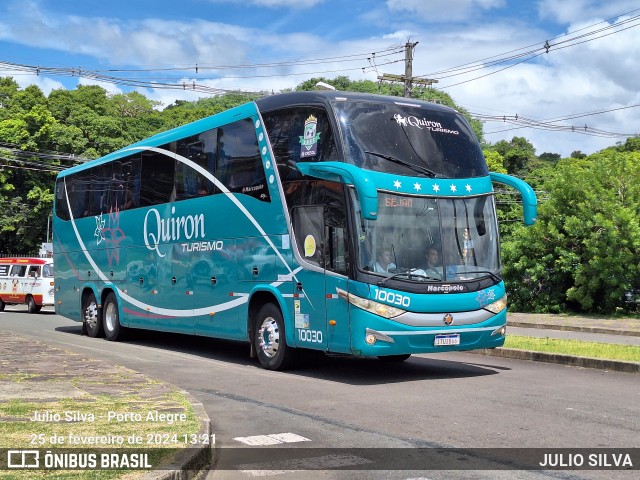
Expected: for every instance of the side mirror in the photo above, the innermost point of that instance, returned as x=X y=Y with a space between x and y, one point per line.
x=529 y=200
x=348 y=174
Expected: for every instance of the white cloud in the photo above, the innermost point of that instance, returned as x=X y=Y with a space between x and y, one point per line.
x=567 y=12
x=443 y=10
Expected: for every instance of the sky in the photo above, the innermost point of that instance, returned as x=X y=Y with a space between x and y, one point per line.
x=584 y=84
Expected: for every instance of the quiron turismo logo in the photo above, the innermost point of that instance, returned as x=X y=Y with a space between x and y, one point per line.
x=448 y=319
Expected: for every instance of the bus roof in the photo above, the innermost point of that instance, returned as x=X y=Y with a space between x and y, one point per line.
x=293 y=99
x=25 y=260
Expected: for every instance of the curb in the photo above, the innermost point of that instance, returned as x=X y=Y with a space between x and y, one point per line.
x=190 y=463
x=584 y=362
x=572 y=328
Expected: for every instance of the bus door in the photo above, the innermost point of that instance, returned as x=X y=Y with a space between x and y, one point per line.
x=33 y=282
x=18 y=283
x=321 y=317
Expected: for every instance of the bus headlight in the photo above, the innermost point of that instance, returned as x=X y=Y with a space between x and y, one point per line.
x=386 y=311
x=497 y=306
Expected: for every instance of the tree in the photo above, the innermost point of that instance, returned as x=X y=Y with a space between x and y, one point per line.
x=518 y=154
x=583 y=252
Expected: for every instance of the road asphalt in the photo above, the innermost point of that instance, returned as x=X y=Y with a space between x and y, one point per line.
x=49 y=367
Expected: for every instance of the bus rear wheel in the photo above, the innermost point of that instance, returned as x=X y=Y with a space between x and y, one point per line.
x=32 y=306
x=2 y=304
x=269 y=339
x=111 y=318
x=91 y=316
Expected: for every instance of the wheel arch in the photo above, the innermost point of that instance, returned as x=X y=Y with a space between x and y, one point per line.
x=259 y=296
x=88 y=289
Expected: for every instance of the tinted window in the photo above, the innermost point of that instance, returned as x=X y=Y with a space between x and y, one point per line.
x=292 y=142
x=62 y=211
x=157 y=174
x=200 y=149
x=239 y=165
x=427 y=136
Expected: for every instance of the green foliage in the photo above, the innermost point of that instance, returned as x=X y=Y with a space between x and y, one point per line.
x=584 y=252
x=518 y=155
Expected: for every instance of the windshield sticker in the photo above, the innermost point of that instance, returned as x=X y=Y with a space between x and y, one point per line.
x=310 y=139
x=423 y=123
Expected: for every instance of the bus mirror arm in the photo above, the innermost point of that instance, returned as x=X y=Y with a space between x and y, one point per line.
x=349 y=174
x=529 y=201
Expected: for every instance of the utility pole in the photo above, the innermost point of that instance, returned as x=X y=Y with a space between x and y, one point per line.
x=408 y=79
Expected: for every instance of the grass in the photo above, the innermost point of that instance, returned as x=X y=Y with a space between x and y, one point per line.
x=19 y=432
x=628 y=353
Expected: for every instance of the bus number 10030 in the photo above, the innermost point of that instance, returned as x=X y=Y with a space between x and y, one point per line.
x=313 y=336
x=392 y=298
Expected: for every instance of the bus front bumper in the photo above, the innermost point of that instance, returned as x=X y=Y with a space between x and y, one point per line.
x=377 y=336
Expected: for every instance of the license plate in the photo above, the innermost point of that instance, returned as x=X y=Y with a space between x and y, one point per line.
x=453 y=339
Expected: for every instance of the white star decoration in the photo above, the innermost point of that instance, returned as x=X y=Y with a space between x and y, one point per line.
x=436 y=187
x=417 y=186
x=397 y=184
x=468 y=187
x=453 y=188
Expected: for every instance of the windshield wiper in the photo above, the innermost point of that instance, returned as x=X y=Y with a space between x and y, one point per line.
x=410 y=275
x=495 y=277
x=413 y=166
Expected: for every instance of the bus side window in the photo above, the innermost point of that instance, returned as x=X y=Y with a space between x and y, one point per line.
x=157 y=179
x=18 y=270
x=62 y=210
x=239 y=164
x=286 y=128
x=34 y=271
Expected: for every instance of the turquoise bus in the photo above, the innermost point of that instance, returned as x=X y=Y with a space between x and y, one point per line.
x=341 y=222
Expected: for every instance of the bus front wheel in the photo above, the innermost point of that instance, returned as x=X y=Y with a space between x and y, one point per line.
x=32 y=306
x=111 y=318
x=269 y=339
x=91 y=316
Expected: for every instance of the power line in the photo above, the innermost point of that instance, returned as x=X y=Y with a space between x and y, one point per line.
x=532 y=53
x=551 y=124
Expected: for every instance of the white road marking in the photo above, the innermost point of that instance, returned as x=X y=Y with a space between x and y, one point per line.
x=273 y=439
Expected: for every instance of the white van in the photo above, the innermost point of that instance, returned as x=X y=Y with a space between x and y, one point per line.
x=27 y=281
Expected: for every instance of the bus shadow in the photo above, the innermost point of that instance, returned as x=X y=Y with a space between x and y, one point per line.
x=311 y=364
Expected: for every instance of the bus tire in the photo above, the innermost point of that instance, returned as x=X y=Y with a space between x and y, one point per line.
x=32 y=306
x=269 y=339
x=111 y=318
x=394 y=358
x=2 y=304
x=91 y=316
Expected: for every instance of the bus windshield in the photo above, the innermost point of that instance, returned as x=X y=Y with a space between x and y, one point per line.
x=430 y=239
x=404 y=138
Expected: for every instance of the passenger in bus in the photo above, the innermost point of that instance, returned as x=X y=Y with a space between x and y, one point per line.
x=384 y=264
x=433 y=267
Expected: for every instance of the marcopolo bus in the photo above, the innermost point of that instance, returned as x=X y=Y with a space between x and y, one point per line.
x=25 y=280
x=333 y=221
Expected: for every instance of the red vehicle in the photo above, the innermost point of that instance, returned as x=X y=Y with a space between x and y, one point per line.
x=25 y=280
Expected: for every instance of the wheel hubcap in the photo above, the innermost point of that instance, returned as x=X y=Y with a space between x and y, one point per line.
x=91 y=315
x=110 y=317
x=269 y=337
